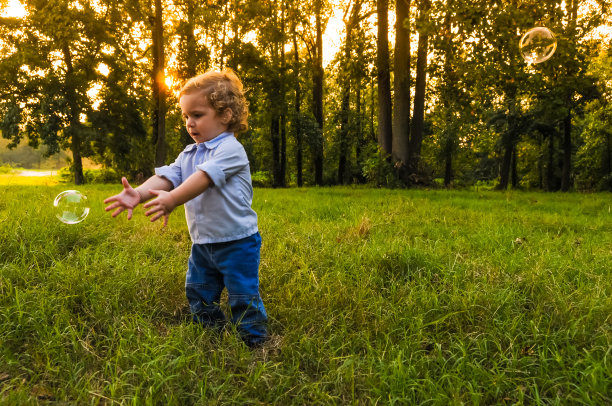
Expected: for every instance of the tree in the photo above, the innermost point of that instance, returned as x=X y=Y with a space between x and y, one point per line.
x=385 y=131
x=48 y=65
x=159 y=85
x=402 y=104
x=594 y=156
x=352 y=18
x=418 y=115
x=317 y=90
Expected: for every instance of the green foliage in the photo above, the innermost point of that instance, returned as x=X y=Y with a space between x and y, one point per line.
x=103 y=175
x=77 y=76
x=6 y=168
x=374 y=296
x=379 y=170
x=261 y=179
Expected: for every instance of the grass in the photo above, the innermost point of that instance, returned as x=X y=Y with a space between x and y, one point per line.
x=14 y=179
x=375 y=297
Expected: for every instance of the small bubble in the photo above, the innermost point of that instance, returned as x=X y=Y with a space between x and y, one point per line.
x=537 y=45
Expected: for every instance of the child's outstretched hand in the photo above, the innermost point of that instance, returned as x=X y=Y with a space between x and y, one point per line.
x=126 y=200
x=162 y=205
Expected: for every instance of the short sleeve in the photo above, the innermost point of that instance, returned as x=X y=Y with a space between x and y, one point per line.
x=228 y=159
x=172 y=172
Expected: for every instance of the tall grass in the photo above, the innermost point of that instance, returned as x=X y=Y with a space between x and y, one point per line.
x=374 y=297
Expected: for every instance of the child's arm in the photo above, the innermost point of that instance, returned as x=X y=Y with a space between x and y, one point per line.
x=129 y=198
x=166 y=201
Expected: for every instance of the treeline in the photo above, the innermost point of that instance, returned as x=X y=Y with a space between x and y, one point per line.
x=442 y=95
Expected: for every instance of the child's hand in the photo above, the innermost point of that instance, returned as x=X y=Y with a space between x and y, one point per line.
x=160 y=206
x=126 y=200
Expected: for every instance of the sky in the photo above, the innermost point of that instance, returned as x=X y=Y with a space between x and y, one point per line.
x=14 y=9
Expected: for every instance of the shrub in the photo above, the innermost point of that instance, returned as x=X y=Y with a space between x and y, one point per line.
x=103 y=175
x=261 y=179
x=6 y=169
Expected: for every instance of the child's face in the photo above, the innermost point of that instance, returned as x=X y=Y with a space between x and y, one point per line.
x=202 y=121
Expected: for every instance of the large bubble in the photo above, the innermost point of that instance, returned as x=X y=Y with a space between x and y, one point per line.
x=71 y=207
x=537 y=45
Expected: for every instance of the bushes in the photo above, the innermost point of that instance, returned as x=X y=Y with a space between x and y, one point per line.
x=6 y=169
x=103 y=175
x=261 y=179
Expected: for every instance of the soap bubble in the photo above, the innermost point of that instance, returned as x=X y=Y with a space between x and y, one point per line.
x=71 y=207
x=537 y=45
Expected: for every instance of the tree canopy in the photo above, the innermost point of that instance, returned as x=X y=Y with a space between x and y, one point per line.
x=418 y=92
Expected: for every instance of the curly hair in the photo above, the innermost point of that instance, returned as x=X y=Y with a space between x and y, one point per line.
x=223 y=90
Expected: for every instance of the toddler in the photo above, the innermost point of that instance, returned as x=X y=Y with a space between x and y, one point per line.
x=212 y=179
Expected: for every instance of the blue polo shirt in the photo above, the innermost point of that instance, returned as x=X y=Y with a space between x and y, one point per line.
x=223 y=211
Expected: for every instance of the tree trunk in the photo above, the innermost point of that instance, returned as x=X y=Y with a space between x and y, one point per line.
x=350 y=24
x=74 y=127
x=344 y=118
x=275 y=138
x=505 y=166
x=448 y=95
x=385 y=132
x=607 y=161
x=418 y=115
x=317 y=96
x=515 y=180
x=159 y=88
x=401 y=106
x=192 y=45
x=283 y=149
x=566 y=171
x=297 y=121
x=361 y=138
x=283 y=106
x=567 y=153
x=550 y=168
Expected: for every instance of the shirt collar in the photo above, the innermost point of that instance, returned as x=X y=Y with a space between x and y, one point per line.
x=210 y=144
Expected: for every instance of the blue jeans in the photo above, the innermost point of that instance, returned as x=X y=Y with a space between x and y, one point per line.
x=233 y=265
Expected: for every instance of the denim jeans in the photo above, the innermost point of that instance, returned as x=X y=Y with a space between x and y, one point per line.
x=233 y=265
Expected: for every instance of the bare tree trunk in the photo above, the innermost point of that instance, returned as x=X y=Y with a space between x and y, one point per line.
x=275 y=138
x=385 y=132
x=297 y=121
x=283 y=105
x=401 y=106
x=350 y=24
x=74 y=128
x=159 y=88
x=551 y=183
x=505 y=166
x=567 y=153
x=515 y=180
x=317 y=95
x=418 y=115
x=566 y=173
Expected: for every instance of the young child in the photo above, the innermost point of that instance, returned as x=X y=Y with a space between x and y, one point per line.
x=212 y=179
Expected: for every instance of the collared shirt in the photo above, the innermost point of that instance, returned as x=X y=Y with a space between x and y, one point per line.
x=223 y=211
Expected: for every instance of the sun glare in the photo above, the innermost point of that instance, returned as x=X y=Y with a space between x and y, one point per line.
x=14 y=9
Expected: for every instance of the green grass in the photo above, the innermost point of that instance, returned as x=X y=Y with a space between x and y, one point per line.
x=374 y=297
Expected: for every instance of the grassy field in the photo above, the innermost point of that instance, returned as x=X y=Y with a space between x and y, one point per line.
x=375 y=297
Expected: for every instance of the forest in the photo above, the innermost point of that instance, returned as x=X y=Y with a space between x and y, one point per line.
x=417 y=93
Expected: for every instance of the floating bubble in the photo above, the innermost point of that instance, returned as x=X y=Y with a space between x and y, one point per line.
x=71 y=207
x=537 y=45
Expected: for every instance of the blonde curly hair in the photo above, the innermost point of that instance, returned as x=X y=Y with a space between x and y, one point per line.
x=223 y=89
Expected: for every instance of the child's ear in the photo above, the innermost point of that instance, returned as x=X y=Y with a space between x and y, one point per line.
x=227 y=116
